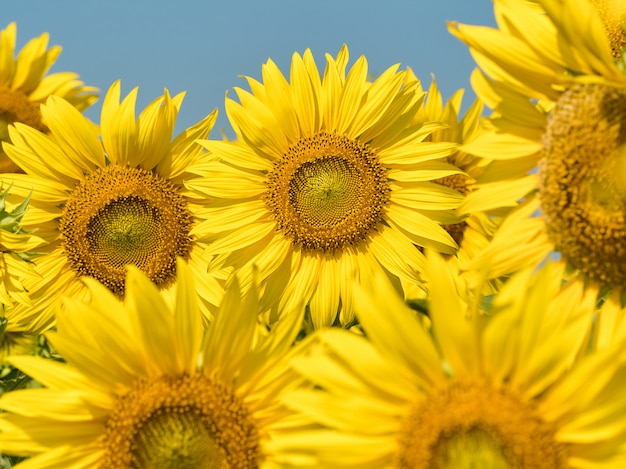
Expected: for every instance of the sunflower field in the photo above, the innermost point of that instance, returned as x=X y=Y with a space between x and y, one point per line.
x=368 y=275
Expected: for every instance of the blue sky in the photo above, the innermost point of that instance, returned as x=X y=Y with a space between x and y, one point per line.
x=203 y=46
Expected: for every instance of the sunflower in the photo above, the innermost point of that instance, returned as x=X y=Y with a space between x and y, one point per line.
x=328 y=178
x=481 y=216
x=103 y=204
x=18 y=332
x=24 y=85
x=142 y=388
x=460 y=131
x=16 y=246
x=475 y=228
x=553 y=73
x=510 y=389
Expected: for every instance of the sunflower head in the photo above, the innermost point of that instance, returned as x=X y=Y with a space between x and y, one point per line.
x=331 y=177
x=327 y=193
x=112 y=196
x=583 y=180
x=119 y=216
x=461 y=129
x=181 y=421
x=451 y=429
x=145 y=385
x=25 y=84
x=552 y=72
x=499 y=384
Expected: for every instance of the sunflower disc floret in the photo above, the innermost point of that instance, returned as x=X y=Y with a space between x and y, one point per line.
x=175 y=422
x=327 y=192
x=119 y=216
x=583 y=187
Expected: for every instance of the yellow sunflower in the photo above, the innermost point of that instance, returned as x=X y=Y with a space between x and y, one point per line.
x=104 y=202
x=24 y=85
x=460 y=130
x=554 y=74
x=482 y=215
x=510 y=389
x=328 y=178
x=143 y=388
x=16 y=248
x=18 y=332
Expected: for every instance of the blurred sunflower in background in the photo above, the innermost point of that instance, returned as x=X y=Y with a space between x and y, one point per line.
x=459 y=129
x=18 y=332
x=330 y=178
x=145 y=387
x=483 y=211
x=16 y=250
x=24 y=85
x=553 y=72
x=102 y=202
x=513 y=388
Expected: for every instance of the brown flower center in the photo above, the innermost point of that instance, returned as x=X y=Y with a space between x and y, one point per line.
x=180 y=422
x=119 y=216
x=475 y=425
x=583 y=180
x=327 y=192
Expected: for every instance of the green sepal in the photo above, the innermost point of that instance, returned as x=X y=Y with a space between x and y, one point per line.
x=9 y=461
x=419 y=304
x=10 y=221
x=14 y=380
x=25 y=256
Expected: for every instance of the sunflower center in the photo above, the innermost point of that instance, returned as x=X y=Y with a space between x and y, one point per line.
x=613 y=14
x=472 y=424
x=175 y=422
x=327 y=192
x=583 y=180
x=170 y=441
x=119 y=216
x=323 y=192
x=16 y=107
x=126 y=229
